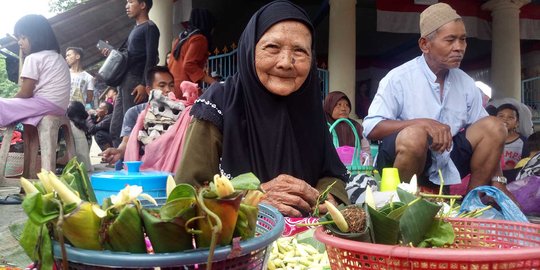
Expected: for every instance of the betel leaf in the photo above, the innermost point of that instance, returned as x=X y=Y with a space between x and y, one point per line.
x=440 y=233
x=246 y=181
x=322 y=197
x=386 y=229
x=417 y=219
x=182 y=191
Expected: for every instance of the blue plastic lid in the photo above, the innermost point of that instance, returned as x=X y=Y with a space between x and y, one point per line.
x=117 y=180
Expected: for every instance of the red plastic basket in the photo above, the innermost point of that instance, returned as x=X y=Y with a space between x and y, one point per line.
x=479 y=244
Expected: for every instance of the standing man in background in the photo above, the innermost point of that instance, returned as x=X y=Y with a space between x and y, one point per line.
x=82 y=83
x=142 y=47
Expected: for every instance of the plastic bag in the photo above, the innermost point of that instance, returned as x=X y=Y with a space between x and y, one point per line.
x=527 y=193
x=509 y=210
x=358 y=183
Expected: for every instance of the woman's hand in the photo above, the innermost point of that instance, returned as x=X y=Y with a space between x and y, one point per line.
x=290 y=195
x=322 y=207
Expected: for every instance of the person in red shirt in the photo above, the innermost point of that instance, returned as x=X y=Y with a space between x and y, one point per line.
x=190 y=50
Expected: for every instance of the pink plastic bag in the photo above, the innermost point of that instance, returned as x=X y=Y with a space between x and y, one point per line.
x=345 y=154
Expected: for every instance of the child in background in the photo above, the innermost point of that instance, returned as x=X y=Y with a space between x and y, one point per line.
x=45 y=80
x=515 y=147
x=530 y=165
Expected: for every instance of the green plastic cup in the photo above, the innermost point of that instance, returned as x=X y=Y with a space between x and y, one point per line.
x=390 y=179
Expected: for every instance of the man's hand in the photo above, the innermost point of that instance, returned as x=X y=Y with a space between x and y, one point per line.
x=290 y=195
x=112 y=155
x=140 y=93
x=440 y=134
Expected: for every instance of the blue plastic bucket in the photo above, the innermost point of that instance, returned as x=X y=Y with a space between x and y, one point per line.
x=110 y=183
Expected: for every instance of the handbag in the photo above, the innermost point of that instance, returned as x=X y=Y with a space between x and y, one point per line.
x=360 y=175
x=114 y=68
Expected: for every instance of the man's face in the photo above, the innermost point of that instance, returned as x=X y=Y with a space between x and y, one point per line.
x=447 y=48
x=71 y=57
x=164 y=82
x=134 y=8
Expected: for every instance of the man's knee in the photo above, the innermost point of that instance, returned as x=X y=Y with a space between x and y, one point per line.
x=490 y=128
x=412 y=140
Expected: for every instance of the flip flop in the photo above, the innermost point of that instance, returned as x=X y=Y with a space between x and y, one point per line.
x=11 y=199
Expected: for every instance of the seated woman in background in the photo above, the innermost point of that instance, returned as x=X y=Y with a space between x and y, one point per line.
x=45 y=80
x=337 y=105
x=267 y=118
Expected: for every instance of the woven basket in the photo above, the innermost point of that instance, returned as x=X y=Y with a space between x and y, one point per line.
x=15 y=164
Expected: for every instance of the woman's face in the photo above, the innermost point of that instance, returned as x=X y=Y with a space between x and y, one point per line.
x=24 y=43
x=342 y=109
x=283 y=57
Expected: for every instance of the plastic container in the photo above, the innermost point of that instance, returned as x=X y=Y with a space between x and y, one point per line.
x=253 y=253
x=479 y=244
x=111 y=182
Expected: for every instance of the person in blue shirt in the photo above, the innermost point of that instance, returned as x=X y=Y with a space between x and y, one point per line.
x=428 y=113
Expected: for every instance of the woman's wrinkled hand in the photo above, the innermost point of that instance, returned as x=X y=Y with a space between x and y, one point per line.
x=322 y=207
x=292 y=197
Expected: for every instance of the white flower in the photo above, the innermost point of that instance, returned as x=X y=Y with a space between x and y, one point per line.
x=129 y=195
x=411 y=187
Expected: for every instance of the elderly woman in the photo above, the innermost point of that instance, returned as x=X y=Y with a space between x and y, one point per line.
x=267 y=118
x=337 y=105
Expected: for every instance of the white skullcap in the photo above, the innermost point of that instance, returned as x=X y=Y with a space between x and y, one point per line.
x=436 y=16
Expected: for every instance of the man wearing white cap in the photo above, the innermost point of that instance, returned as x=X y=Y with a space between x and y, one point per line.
x=428 y=113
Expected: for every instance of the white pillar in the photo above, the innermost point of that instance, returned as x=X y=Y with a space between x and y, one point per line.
x=162 y=14
x=342 y=49
x=505 y=52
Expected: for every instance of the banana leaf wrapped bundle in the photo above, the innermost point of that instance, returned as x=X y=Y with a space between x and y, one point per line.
x=248 y=215
x=122 y=227
x=166 y=227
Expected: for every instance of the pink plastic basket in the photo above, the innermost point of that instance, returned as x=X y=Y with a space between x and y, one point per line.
x=479 y=244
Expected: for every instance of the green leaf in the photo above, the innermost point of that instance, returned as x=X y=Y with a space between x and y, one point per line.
x=35 y=237
x=246 y=223
x=182 y=191
x=176 y=208
x=40 y=208
x=246 y=181
x=386 y=229
x=417 y=220
x=322 y=197
x=125 y=232
x=168 y=235
x=440 y=233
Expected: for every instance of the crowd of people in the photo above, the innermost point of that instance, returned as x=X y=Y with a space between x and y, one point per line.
x=267 y=118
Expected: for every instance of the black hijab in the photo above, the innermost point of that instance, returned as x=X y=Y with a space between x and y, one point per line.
x=264 y=133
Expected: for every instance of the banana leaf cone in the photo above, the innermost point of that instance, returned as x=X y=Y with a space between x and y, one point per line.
x=122 y=230
x=76 y=176
x=81 y=227
x=386 y=229
x=246 y=222
x=417 y=218
x=366 y=234
x=227 y=210
x=166 y=233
